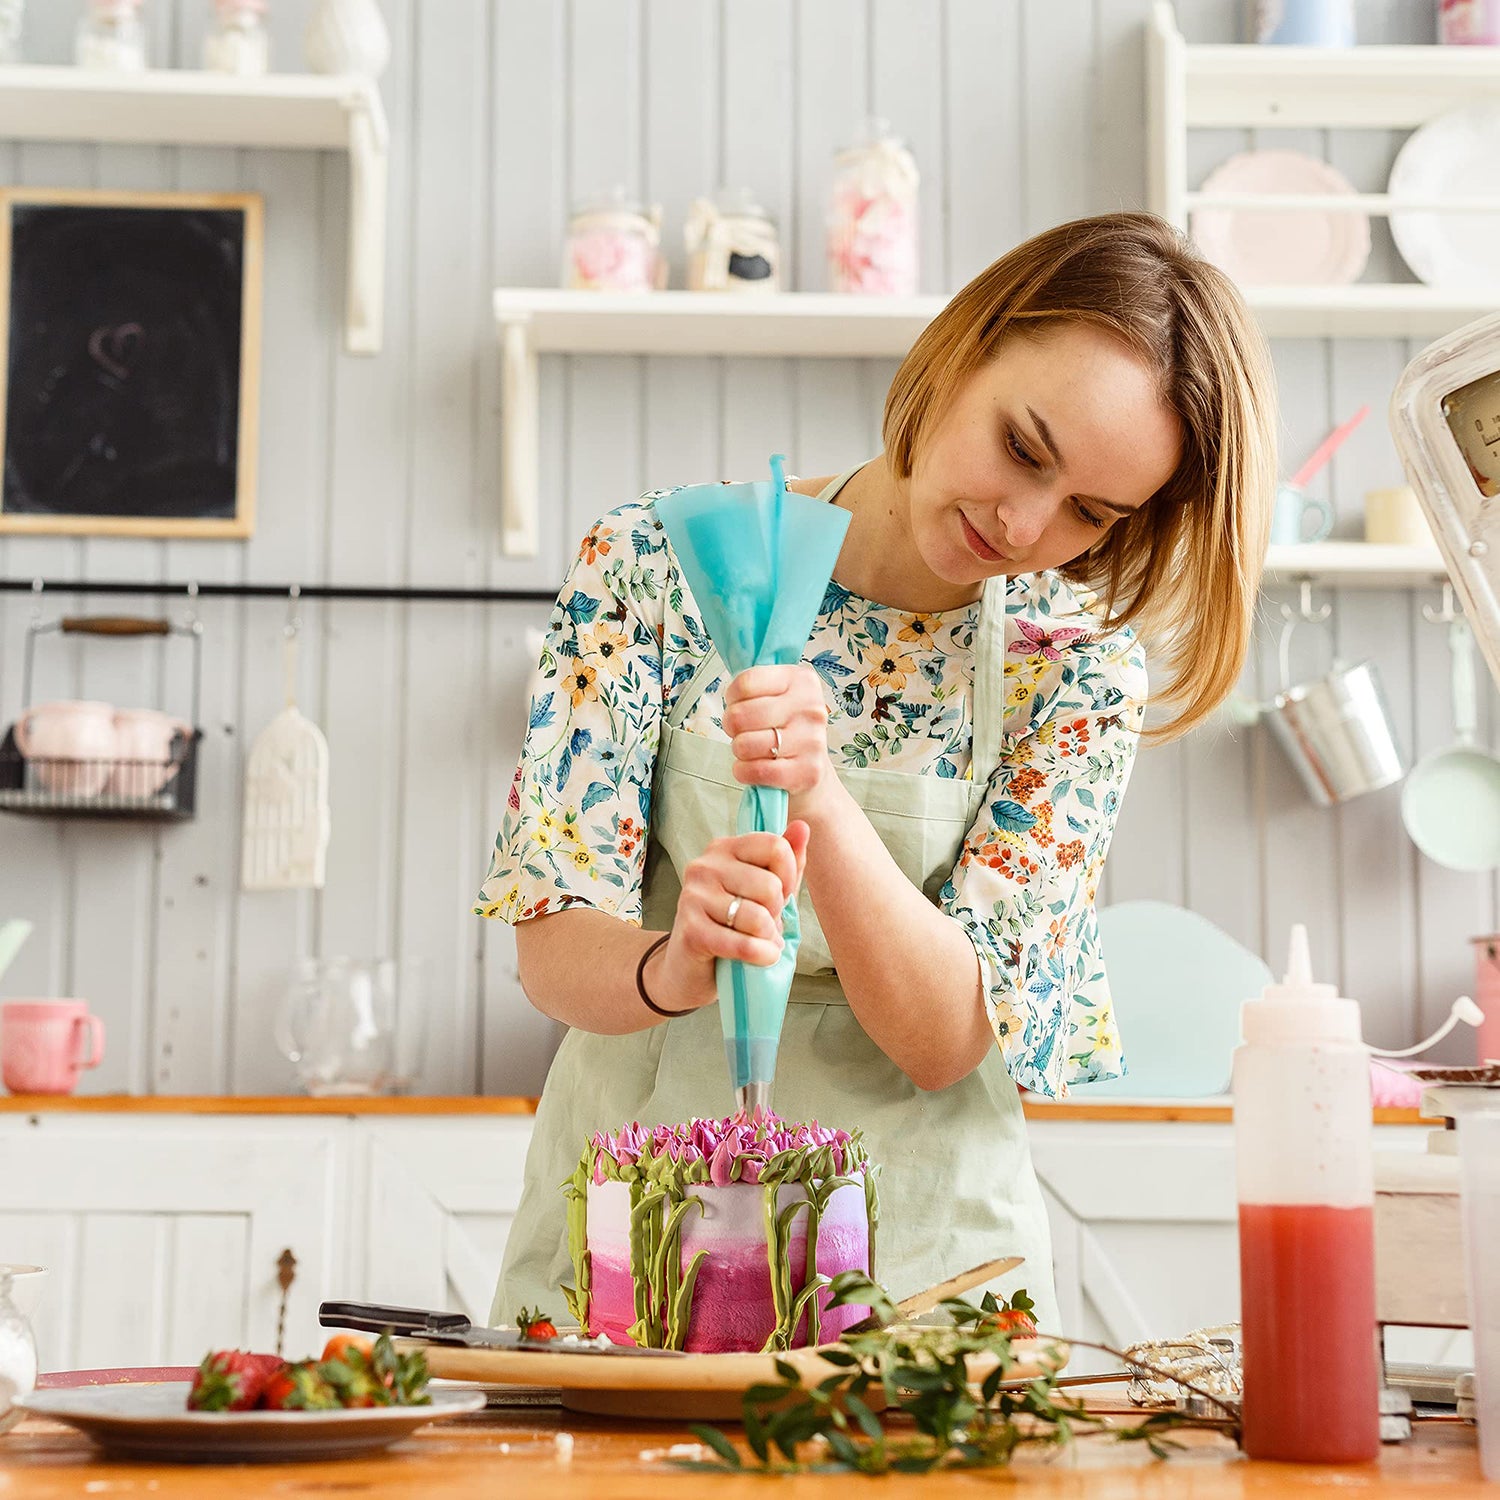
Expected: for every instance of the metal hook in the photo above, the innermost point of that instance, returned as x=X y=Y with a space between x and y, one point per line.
x=293 y=618
x=37 y=589
x=191 y=621
x=1444 y=616
x=1305 y=610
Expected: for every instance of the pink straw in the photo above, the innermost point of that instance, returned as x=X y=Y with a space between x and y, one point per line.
x=1327 y=448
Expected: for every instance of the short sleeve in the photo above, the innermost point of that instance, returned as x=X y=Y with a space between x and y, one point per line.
x=1025 y=883
x=574 y=830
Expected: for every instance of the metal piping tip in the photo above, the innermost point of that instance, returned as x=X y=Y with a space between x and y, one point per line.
x=754 y=1097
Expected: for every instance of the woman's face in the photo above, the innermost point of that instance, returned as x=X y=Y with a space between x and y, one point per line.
x=1045 y=448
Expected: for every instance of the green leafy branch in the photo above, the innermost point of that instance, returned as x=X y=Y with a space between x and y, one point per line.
x=923 y=1374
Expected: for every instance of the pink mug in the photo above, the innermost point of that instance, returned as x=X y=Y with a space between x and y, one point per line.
x=43 y=1044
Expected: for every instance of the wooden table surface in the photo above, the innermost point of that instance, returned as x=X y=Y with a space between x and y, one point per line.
x=514 y=1455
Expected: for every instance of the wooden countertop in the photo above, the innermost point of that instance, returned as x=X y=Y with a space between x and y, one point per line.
x=469 y=1104
x=514 y=1453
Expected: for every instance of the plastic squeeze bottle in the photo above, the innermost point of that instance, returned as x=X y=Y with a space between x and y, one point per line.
x=1302 y=1135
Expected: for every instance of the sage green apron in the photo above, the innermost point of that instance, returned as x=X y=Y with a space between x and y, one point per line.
x=956 y=1186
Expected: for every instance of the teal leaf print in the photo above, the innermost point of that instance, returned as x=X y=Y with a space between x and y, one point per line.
x=541 y=713
x=1011 y=816
x=581 y=608
x=879 y=633
x=945 y=768
x=830 y=668
x=581 y=740
x=599 y=792
x=1085 y=796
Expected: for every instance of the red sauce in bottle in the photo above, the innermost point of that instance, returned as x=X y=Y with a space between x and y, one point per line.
x=1307 y=1295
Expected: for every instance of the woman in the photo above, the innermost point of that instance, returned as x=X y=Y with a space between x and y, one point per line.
x=1078 y=447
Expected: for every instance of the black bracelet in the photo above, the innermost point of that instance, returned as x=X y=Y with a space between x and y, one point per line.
x=640 y=981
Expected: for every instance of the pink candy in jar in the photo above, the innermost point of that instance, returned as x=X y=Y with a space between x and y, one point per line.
x=873 y=226
x=1469 y=22
x=614 y=245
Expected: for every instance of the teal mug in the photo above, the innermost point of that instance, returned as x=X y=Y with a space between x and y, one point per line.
x=1290 y=517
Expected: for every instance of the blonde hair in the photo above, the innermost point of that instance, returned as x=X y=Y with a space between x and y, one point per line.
x=1185 y=570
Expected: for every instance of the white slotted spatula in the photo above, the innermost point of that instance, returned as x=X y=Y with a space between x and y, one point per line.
x=285 y=843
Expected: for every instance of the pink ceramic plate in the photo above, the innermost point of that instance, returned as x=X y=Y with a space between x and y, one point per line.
x=1282 y=247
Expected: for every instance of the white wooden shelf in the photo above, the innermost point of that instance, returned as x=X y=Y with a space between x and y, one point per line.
x=1355 y=564
x=182 y=107
x=1386 y=88
x=788 y=324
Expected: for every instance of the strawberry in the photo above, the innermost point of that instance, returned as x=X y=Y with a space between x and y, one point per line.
x=1013 y=1317
x=231 y=1380
x=1010 y=1320
x=340 y=1344
x=535 y=1324
x=299 y=1387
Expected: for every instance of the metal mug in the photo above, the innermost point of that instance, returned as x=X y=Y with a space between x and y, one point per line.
x=1336 y=729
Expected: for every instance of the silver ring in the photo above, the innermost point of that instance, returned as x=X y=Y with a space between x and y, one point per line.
x=734 y=911
x=776 y=748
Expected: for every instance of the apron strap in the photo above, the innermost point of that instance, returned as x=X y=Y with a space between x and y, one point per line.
x=989 y=682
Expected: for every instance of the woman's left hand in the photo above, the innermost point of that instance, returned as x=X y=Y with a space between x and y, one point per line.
x=777 y=722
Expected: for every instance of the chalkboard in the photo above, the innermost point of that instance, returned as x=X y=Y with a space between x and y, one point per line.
x=131 y=329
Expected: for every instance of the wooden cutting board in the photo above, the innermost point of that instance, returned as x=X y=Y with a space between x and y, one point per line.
x=705 y=1387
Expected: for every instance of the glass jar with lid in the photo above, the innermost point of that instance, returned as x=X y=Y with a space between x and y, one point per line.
x=110 y=37
x=238 y=43
x=614 y=245
x=873 y=226
x=731 y=244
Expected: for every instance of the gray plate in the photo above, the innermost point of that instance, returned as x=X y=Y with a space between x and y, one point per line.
x=152 y=1421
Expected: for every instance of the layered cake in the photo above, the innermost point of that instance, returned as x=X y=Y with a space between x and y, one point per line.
x=719 y=1235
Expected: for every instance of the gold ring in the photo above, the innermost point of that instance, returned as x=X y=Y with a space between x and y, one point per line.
x=776 y=748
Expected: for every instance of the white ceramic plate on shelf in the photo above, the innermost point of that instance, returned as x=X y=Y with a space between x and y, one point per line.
x=1282 y=246
x=1456 y=155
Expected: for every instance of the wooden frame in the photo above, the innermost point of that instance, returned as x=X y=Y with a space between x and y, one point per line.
x=241 y=523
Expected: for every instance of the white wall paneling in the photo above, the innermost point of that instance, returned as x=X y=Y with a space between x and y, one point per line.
x=386 y=470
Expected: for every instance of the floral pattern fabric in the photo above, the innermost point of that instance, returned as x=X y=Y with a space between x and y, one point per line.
x=623 y=642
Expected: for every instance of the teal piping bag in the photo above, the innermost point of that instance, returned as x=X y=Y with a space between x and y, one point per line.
x=757 y=558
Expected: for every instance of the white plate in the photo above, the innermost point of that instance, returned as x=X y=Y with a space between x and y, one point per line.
x=152 y=1421
x=1455 y=155
x=1282 y=246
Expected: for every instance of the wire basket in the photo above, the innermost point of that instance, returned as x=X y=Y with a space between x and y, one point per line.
x=53 y=786
x=101 y=788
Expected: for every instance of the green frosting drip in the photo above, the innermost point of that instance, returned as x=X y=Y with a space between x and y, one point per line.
x=576 y=1189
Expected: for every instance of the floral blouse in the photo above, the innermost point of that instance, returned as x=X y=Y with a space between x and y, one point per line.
x=623 y=641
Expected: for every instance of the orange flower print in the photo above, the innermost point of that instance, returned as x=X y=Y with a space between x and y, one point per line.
x=1057 y=935
x=1073 y=737
x=1024 y=783
x=605 y=646
x=1015 y=864
x=538 y=910
x=582 y=682
x=1041 y=830
x=596 y=543
x=918 y=628
x=630 y=836
x=1070 y=854
x=889 y=669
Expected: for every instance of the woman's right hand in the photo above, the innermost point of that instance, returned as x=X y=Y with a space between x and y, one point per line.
x=750 y=876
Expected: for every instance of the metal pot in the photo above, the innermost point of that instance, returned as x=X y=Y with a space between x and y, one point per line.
x=1336 y=729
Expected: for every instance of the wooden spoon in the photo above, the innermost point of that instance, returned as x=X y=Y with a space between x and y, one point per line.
x=955 y=1286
